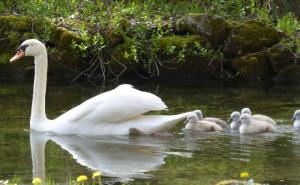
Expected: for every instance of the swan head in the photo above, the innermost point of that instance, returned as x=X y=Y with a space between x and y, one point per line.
x=296 y=115
x=192 y=118
x=235 y=116
x=246 y=111
x=199 y=114
x=30 y=47
x=245 y=119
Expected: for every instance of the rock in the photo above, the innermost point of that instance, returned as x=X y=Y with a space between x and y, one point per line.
x=279 y=57
x=214 y=28
x=195 y=67
x=249 y=37
x=254 y=66
x=290 y=73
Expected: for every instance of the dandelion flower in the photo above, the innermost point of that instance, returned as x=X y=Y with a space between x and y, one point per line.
x=96 y=174
x=81 y=178
x=36 y=181
x=244 y=175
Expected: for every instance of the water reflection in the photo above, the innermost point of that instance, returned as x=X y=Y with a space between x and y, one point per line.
x=123 y=157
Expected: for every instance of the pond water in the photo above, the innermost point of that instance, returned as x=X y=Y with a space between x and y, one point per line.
x=187 y=158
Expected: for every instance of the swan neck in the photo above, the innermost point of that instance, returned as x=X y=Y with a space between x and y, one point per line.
x=38 y=113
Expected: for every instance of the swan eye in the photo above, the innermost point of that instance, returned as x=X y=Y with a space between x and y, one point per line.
x=23 y=47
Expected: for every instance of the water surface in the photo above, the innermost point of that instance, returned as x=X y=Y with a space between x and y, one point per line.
x=188 y=158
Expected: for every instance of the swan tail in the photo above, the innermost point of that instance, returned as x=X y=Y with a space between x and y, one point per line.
x=164 y=123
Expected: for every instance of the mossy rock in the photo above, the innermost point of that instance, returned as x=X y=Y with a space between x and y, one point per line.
x=254 y=66
x=178 y=42
x=20 y=23
x=289 y=74
x=249 y=37
x=280 y=56
x=63 y=38
x=24 y=24
x=193 y=67
x=214 y=28
x=16 y=29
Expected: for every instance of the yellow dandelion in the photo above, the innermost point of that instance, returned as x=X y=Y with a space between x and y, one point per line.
x=36 y=181
x=82 y=178
x=244 y=175
x=96 y=174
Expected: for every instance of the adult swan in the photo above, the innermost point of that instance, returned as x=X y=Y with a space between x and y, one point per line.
x=111 y=113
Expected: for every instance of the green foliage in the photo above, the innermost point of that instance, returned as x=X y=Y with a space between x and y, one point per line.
x=263 y=15
x=288 y=24
x=138 y=25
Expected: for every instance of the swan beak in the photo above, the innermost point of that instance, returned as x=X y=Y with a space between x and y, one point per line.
x=20 y=54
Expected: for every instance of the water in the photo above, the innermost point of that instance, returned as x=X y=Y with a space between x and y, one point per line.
x=188 y=158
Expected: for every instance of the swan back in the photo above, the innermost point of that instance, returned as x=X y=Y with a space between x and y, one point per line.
x=264 y=118
x=118 y=105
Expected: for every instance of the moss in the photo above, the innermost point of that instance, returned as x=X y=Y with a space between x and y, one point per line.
x=4 y=58
x=20 y=23
x=179 y=42
x=66 y=39
x=213 y=28
x=254 y=66
x=280 y=57
x=248 y=37
x=290 y=73
x=120 y=53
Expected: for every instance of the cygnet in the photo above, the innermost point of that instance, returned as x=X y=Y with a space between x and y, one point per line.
x=218 y=121
x=235 y=120
x=194 y=124
x=296 y=119
x=258 y=116
x=252 y=126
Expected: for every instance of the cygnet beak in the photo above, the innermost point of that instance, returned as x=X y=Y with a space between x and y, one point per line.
x=293 y=118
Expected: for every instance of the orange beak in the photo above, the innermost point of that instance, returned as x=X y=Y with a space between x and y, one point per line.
x=20 y=54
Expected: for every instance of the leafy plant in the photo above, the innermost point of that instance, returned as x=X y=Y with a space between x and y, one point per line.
x=288 y=24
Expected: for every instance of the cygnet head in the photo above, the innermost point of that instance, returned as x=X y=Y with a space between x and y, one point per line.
x=199 y=114
x=245 y=119
x=246 y=111
x=30 y=47
x=296 y=115
x=192 y=118
x=235 y=116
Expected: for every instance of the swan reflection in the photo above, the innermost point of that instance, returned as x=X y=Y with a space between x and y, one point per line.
x=124 y=157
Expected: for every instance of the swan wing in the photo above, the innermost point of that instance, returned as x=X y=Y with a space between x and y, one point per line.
x=118 y=105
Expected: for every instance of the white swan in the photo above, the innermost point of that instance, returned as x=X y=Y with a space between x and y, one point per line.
x=296 y=119
x=110 y=113
x=253 y=126
x=218 y=121
x=258 y=116
x=235 y=120
x=194 y=124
